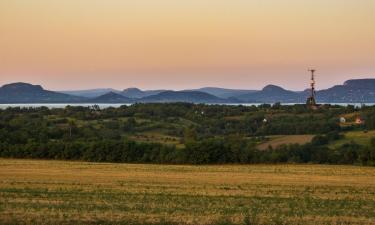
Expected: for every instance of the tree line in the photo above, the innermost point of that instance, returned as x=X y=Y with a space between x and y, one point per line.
x=210 y=134
x=208 y=151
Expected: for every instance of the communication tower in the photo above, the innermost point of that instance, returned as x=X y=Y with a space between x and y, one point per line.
x=311 y=100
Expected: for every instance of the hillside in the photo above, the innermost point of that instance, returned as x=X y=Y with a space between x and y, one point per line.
x=90 y=93
x=27 y=93
x=352 y=91
x=189 y=133
x=111 y=97
x=138 y=93
x=223 y=92
x=272 y=94
x=183 y=96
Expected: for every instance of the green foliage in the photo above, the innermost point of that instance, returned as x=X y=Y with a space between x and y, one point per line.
x=205 y=133
x=190 y=135
x=369 y=116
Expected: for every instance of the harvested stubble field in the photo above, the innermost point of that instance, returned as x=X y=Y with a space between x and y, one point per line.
x=57 y=192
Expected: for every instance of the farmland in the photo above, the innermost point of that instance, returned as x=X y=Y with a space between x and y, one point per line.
x=276 y=141
x=60 y=192
x=183 y=133
x=360 y=137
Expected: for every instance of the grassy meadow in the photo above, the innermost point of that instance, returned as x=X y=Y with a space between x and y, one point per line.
x=59 y=192
x=359 y=137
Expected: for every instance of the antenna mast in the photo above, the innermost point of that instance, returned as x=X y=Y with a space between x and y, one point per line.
x=311 y=102
x=312 y=82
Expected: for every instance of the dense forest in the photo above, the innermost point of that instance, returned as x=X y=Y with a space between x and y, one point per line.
x=179 y=133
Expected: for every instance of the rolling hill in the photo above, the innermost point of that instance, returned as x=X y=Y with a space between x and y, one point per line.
x=224 y=92
x=90 y=93
x=272 y=94
x=183 y=96
x=352 y=91
x=111 y=97
x=27 y=93
x=138 y=93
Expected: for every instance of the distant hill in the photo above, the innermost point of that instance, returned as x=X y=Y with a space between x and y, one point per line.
x=138 y=93
x=28 y=93
x=352 y=91
x=91 y=93
x=272 y=94
x=224 y=92
x=218 y=92
x=111 y=97
x=183 y=96
x=361 y=83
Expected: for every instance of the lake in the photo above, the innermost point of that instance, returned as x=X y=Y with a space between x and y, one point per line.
x=116 y=105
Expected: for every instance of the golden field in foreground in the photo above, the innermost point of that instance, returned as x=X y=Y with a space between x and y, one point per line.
x=58 y=192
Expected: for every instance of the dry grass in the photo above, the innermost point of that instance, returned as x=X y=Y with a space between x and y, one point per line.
x=58 y=192
x=285 y=139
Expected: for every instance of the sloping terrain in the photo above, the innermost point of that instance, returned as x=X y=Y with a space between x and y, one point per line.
x=276 y=141
x=183 y=96
x=111 y=97
x=27 y=93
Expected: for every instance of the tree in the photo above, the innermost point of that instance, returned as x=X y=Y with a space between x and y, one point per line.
x=190 y=135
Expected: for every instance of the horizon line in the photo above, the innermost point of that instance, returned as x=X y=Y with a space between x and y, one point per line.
x=184 y=89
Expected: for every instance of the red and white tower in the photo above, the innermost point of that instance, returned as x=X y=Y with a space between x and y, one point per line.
x=311 y=101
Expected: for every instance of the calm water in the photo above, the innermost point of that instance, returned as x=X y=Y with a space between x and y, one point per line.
x=103 y=106
x=59 y=105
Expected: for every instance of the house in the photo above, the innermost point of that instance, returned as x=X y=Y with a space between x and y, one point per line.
x=359 y=121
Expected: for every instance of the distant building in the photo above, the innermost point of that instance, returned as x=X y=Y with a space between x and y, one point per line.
x=359 y=121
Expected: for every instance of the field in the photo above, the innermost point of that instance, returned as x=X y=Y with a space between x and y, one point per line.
x=278 y=140
x=58 y=192
x=358 y=137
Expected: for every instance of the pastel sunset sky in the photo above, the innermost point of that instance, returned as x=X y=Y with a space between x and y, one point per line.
x=176 y=44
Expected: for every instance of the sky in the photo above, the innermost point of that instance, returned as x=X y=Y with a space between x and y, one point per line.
x=172 y=44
